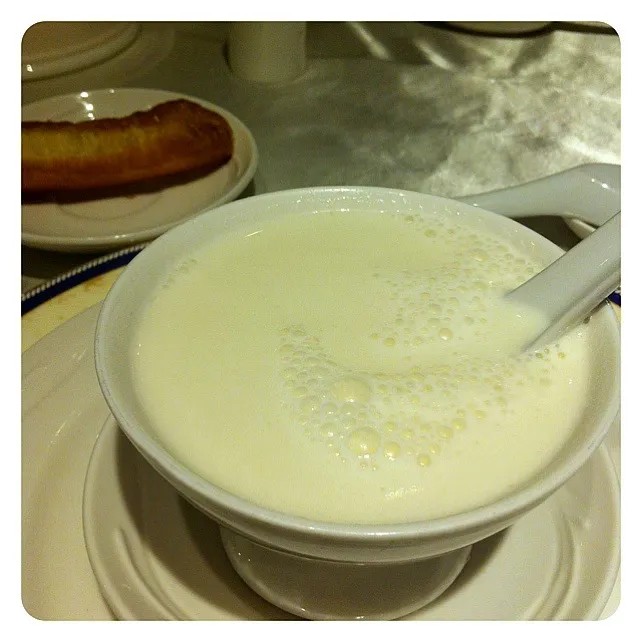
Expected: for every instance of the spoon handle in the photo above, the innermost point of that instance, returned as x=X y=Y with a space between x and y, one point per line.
x=571 y=287
x=589 y=192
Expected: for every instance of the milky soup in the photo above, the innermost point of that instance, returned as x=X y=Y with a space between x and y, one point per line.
x=357 y=368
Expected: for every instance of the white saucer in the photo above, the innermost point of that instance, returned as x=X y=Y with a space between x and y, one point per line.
x=110 y=223
x=558 y=562
x=157 y=557
x=53 y=48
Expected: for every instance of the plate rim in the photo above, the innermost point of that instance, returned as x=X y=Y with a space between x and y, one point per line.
x=113 y=241
x=108 y=45
x=50 y=289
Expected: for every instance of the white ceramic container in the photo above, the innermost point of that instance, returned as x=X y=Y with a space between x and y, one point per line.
x=315 y=569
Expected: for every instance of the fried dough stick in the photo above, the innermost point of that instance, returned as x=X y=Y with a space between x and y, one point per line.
x=170 y=138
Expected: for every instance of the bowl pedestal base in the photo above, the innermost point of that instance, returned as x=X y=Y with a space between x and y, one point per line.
x=318 y=589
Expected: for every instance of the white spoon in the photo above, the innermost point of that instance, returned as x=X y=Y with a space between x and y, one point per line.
x=571 y=287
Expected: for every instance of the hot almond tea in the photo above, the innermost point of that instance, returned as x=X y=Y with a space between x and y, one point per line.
x=357 y=368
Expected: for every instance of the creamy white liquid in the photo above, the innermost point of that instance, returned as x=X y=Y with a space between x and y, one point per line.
x=357 y=368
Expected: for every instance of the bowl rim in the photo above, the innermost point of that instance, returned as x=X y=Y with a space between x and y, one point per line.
x=181 y=477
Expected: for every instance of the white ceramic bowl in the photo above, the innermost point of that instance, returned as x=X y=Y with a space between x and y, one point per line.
x=282 y=556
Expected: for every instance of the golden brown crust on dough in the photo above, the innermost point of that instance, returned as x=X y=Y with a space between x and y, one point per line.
x=171 y=138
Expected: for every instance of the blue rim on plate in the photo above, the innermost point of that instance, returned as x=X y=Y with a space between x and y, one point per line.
x=48 y=290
